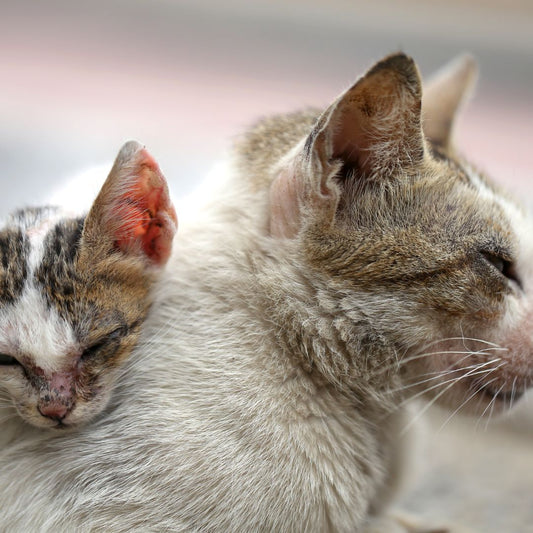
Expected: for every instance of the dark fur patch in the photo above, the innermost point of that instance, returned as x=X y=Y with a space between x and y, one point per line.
x=14 y=251
x=57 y=273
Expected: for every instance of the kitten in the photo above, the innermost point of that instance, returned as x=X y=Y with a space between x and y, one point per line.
x=74 y=292
x=345 y=262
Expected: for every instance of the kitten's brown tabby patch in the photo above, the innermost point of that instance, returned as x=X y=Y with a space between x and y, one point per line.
x=14 y=249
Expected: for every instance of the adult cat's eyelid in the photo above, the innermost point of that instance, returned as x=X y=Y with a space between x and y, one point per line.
x=503 y=264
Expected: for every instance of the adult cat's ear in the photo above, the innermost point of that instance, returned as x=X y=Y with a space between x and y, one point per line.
x=133 y=212
x=444 y=95
x=372 y=131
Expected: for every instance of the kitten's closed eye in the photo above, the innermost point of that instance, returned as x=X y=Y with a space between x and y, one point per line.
x=7 y=360
x=105 y=341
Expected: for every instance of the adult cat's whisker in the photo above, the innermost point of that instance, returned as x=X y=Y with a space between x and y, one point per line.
x=416 y=357
x=450 y=384
x=492 y=404
x=513 y=392
x=476 y=391
x=440 y=374
x=486 y=384
x=463 y=339
x=443 y=373
x=457 y=363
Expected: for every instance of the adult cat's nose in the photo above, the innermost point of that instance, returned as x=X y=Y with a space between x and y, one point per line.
x=53 y=410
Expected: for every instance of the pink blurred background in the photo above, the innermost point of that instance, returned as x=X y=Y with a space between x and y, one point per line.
x=78 y=79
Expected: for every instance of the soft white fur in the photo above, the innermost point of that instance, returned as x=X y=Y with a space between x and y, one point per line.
x=213 y=426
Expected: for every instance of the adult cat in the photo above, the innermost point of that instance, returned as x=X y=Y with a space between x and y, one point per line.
x=343 y=263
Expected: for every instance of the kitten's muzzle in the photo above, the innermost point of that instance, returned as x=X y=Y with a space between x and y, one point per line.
x=54 y=410
x=57 y=398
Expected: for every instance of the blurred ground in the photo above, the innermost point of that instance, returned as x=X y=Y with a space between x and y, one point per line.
x=78 y=79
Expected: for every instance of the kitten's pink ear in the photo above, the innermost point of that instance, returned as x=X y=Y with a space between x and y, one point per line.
x=133 y=211
x=444 y=95
x=373 y=131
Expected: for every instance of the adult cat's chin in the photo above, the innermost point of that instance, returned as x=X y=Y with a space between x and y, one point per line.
x=487 y=392
x=475 y=398
x=471 y=376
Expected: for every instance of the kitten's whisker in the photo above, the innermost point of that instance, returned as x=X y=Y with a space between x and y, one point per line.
x=5 y=418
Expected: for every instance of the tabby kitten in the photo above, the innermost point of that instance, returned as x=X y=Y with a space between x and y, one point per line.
x=74 y=292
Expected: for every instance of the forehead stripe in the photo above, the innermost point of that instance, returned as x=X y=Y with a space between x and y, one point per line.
x=14 y=252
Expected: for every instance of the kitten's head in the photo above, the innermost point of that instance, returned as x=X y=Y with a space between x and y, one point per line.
x=412 y=243
x=74 y=292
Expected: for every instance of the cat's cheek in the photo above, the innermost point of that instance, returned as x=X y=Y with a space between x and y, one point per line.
x=93 y=395
x=516 y=338
x=85 y=412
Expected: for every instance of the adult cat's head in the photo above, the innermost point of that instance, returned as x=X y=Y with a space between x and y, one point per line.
x=74 y=292
x=420 y=264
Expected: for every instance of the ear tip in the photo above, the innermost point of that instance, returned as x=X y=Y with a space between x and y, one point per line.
x=130 y=148
x=401 y=63
x=135 y=151
x=398 y=60
x=463 y=69
x=467 y=65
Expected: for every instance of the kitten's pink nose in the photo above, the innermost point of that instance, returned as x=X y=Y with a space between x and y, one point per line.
x=53 y=410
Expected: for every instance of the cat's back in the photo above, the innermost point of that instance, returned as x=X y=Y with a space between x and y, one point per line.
x=208 y=429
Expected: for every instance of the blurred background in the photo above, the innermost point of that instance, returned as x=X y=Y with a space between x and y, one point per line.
x=77 y=79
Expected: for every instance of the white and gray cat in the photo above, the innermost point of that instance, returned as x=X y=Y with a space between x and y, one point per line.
x=74 y=292
x=341 y=263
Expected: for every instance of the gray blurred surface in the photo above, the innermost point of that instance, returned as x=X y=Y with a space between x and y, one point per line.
x=78 y=79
